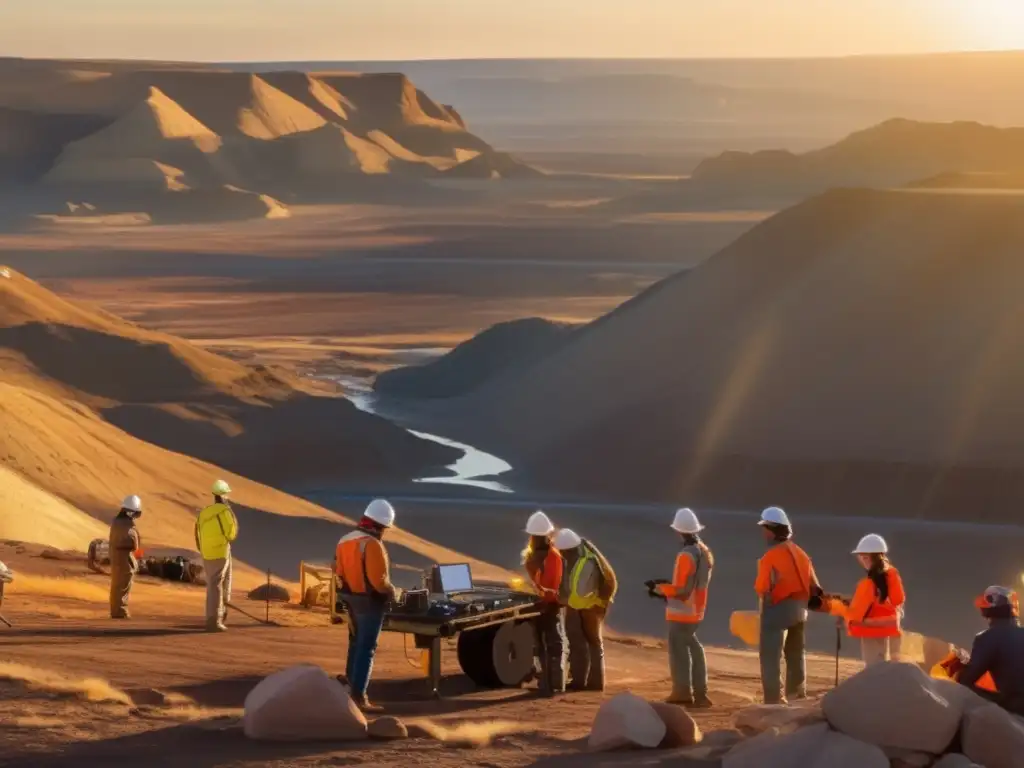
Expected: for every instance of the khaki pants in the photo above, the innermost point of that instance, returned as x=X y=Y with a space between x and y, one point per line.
x=121 y=577
x=585 y=631
x=218 y=588
x=878 y=649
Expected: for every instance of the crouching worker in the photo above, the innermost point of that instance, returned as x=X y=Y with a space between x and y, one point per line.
x=875 y=613
x=125 y=546
x=686 y=598
x=588 y=588
x=364 y=585
x=998 y=651
x=545 y=568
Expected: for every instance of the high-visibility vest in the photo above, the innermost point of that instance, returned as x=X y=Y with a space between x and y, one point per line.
x=216 y=528
x=687 y=598
x=350 y=564
x=785 y=572
x=588 y=570
x=870 y=617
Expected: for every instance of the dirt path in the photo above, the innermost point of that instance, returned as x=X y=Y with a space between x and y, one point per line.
x=161 y=656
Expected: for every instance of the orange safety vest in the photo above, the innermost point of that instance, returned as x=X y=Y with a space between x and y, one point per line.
x=687 y=595
x=547 y=575
x=870 y=617
x=785 y=573
x=361 y=564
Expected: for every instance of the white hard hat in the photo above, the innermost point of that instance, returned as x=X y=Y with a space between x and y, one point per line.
x=567 y=539
x=774 y=516
x=134 y=503
x=539 y=524
x=872 y=544
x=221 y=488
x=381 y=512
x=686 y=521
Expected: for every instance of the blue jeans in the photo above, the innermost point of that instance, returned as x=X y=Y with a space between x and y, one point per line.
x=368 y=617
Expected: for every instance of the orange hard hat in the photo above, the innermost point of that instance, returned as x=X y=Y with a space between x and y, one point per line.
x=995 y=597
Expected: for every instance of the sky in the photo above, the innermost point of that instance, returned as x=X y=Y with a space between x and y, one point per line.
x=283 y=30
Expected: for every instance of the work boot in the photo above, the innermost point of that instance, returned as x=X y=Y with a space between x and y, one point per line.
x=215 y=626
x=365 y=706
x=701 y=701
x=122 y=615
x=682 y=699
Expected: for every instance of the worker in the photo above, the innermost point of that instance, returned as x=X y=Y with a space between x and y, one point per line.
x=364 y=585
x=125 y=547
x=588 y=588
x=875 y=614
x=545 y=567
x=998 y=651
x=216 y=528
x=785 y=583
x=686 y=598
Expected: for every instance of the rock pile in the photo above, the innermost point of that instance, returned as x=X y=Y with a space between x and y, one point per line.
x=889 y=715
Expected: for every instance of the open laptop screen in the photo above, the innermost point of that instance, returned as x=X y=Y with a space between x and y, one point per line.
x=455 y=578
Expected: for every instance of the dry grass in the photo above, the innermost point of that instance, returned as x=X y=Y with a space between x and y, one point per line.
x=46 y=586
x=470 y=734
x=89 y=688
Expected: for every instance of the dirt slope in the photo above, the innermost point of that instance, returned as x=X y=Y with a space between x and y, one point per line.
x=860 y=351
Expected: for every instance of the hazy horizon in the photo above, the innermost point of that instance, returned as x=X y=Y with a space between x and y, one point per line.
x=404 y=30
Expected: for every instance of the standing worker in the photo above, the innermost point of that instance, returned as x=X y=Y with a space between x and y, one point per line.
x=545 y=567
x=875 y=613
x=125 y=545
x=588 y=588
x=216 y=528
x=686 y=599
x=785 y=583
x=998 y=651
x=364 y=583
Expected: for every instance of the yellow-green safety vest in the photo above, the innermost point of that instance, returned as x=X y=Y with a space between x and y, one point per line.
x=592 y=584
x=216 y=528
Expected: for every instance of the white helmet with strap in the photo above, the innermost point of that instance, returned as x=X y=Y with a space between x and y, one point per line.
x=132 y=503
x=539 y=524
x=567 y=539
x=774 y=516
x=872 y=544
x=686 y=522
x=381 y=512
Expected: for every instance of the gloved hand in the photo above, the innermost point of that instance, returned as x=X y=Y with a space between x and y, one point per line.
x=652 y=587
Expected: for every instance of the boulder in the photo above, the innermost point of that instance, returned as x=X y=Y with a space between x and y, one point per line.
x=388 y=729
x=275 y=593
x=993 y=737
x=898 y=705
x=905 y=758
x=626 y=721
x=762 y=717
x=302 y=704
x=816 y=746
x=680 y=728
x=955 y=760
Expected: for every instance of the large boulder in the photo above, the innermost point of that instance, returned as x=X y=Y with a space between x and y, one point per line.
x=626 y=721
x=993 y=737
x=897 y=705
x=302 y=704
x=762 y=717
x=816 y=746
x=680 y=728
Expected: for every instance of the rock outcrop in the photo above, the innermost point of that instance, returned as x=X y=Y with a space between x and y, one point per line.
x=302 y=704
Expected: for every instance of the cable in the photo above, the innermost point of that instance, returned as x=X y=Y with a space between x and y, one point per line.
x=412 y=663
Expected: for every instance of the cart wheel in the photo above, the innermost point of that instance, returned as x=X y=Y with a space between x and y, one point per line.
x=474 y=651
x=512 y=653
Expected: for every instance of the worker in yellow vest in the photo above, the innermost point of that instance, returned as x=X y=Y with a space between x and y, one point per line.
x=588 y=588
x=686 y=597
x=216 y=528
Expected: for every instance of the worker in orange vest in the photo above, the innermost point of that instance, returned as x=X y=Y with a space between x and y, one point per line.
x=364 y=584
x=875 y=613
x=686 y=598
x=545 y=566
x=785 y=583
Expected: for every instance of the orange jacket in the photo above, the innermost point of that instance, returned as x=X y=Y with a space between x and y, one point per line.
x=547 y=574
x=362 y=565
x=687 y=595
x=866 y=615
x=785 y=573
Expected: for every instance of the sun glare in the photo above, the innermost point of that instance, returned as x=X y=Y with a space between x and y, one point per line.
x=995 y=24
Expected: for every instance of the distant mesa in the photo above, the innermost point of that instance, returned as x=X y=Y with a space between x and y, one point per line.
x=179 y=144
x=505 y=346
x=860 y=352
